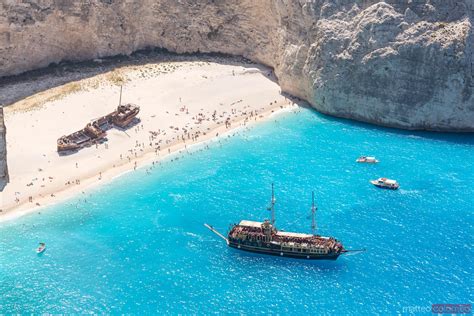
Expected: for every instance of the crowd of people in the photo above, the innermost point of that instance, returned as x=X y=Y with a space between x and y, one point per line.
x=162 y=139
x=253 y=234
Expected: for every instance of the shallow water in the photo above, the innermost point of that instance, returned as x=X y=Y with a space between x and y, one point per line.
x=138 y=244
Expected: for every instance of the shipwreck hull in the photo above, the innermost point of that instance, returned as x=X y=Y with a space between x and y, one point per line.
x=96 y=132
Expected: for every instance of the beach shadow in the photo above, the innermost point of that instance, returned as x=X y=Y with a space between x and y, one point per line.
x=3 y=184
x=18 y=87
x=462 y=138
x=68 y=153
x=133 y=123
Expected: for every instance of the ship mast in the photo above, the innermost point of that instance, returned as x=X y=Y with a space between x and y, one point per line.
x=313 y=212
x=120 y=99
x=273 y=206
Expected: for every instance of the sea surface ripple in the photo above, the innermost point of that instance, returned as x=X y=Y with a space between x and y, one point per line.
x=138 y=244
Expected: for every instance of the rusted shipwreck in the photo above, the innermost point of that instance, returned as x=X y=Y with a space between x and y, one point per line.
x=96 y=131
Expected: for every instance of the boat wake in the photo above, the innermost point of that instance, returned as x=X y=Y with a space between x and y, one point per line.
x=408 y=192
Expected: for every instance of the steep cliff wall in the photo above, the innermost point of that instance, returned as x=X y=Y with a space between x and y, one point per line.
x=3 y=153
x=401 y=63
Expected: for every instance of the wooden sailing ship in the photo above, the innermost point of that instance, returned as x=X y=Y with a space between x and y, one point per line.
x=96 y=131
x=265 y=238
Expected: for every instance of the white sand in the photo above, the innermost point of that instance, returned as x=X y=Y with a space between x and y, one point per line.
x=38 y=173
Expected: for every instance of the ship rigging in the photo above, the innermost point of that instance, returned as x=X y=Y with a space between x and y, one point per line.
x=265 y=238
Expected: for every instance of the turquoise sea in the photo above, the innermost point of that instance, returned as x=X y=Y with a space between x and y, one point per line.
x=138 y=244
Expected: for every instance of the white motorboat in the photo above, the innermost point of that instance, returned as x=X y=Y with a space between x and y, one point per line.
x=366 y=159
x=41 y=248
x=385 y=183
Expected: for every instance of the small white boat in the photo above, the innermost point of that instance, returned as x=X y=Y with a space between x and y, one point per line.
x=385 y=183
x=366 y=159
x=41 y=248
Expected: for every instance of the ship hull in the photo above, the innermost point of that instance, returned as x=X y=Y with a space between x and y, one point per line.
x=284 y=254
x=385 y=187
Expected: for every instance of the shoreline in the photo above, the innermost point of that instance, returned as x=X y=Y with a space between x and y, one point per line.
x=52 y=197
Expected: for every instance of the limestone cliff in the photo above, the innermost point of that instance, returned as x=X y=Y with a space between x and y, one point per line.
x=3 y=153
x=401 y=63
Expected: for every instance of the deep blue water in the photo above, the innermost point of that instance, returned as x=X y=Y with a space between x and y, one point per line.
x=138 y=244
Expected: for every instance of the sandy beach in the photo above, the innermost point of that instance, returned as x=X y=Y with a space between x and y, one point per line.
x=181 y=103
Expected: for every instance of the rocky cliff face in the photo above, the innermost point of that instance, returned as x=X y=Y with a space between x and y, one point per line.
x=401 y=63
x=3 y=154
